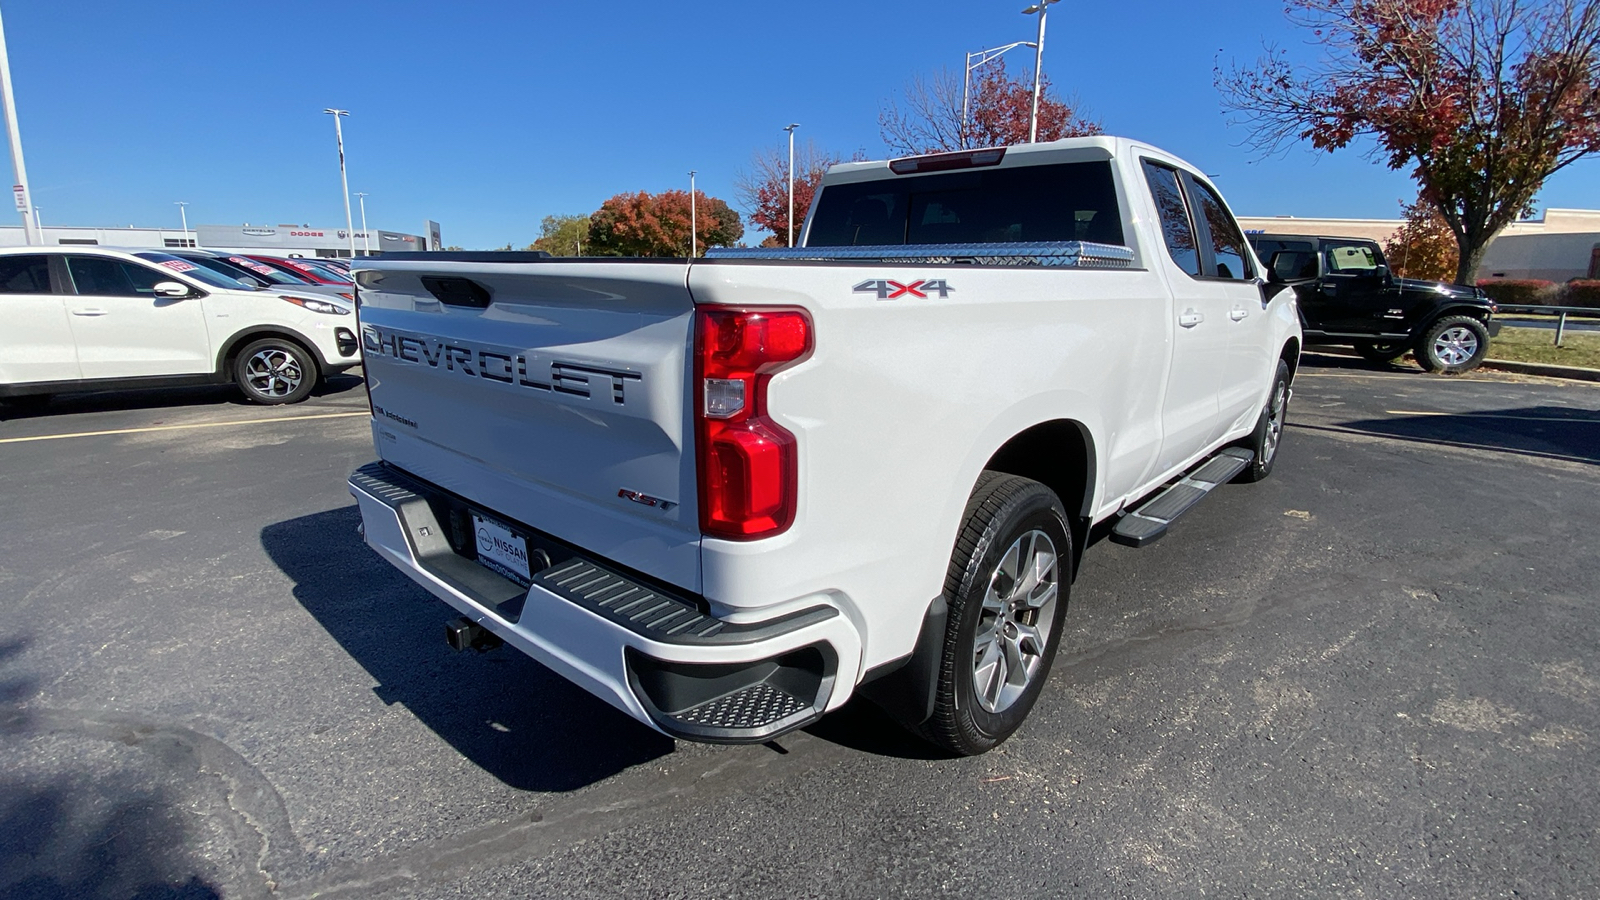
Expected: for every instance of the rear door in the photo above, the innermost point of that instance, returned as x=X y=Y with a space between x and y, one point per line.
x=124 y=330
x=547 y=394
x=36 y=342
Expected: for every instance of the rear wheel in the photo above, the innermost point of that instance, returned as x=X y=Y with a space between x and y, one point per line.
x=1378 y=352
x=1263 y=442
x=274 y=370
x=1007 y=589
x=1453 y=345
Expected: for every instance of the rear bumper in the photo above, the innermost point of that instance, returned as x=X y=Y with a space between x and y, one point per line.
x=646 y=649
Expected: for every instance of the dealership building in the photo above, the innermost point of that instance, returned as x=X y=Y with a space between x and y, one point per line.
x=274 y=240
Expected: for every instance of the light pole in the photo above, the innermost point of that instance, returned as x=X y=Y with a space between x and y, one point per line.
x=791 y=129
x=183 y=216
x=344 y=181
x=693 y=235
x=30 y=223
x=984 y=58
x=1041 y=8
x=366 y=236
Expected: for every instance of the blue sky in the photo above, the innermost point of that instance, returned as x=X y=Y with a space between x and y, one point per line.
x=487 y=116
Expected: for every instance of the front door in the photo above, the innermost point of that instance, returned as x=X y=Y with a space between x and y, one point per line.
x=1354 y=294
x=125 y=331
x=35 y=341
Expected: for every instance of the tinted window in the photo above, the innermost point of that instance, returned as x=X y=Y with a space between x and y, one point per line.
x=1176 y=228
x=1351 y=259
x=262 y=270
x=1227 y=244
x=24 y=275
x=1299 y=259
x=190 y=270
x=105 y=277
x=1066 y=202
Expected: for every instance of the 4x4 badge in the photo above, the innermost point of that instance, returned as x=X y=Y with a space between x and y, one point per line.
x=894 y=290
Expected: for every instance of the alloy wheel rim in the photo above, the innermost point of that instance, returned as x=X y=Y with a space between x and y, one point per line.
x=1019 y=606
x=273 y=373
x=1275 y=409
x=1455 y=345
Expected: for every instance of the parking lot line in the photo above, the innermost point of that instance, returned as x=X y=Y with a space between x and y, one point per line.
x=150 y=428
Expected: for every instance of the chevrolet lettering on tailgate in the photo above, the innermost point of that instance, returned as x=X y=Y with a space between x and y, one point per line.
x=495 y=364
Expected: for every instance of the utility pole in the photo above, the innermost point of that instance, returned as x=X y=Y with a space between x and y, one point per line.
x=344 y=181
x=1038 y=65
x=366 y=236
x=984 y=57
x=791 y=129
x=183 y=216
x=693 y=234
x=30 y=224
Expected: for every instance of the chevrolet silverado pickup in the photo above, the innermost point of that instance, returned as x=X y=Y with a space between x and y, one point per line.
x=725 y=495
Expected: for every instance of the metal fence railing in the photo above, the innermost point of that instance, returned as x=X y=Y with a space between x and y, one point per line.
x=1560 y=312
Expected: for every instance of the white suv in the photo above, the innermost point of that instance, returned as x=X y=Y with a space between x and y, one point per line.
x=94 y=318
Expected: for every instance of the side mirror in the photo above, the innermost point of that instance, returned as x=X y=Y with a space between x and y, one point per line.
x=1384 y=275
x=1275 y=266
x=172 y=289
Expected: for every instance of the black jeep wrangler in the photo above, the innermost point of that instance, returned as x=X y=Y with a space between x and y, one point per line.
x=1348 y=296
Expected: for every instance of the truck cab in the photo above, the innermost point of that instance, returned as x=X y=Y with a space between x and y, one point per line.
x=1348 y=295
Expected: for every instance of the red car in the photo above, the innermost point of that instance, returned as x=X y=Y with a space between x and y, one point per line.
x=305 y=268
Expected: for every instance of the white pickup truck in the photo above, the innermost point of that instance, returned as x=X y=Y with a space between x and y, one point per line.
x=725 y=495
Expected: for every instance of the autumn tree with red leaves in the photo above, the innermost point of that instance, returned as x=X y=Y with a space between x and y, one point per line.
x=644 y=224
x=1424 y=247
x=1483 y=99
x=927 y=118
x=763 y=189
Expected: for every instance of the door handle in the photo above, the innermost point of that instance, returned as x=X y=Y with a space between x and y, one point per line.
x=1190 y=318
x=89 y=311
x=1238 y=313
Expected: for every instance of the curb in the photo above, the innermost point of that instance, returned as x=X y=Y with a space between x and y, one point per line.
x=1548 y=370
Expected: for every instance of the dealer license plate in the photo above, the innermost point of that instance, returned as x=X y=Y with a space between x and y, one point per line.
x=501 y=549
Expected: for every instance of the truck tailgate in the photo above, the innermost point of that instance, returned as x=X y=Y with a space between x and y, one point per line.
x=550 y=394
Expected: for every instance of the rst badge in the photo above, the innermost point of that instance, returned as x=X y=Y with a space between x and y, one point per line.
x=894 y=290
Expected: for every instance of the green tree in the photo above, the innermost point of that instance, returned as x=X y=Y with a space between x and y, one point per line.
x=562 y=235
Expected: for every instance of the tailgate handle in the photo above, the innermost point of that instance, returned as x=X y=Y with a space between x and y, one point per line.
x=455 y=291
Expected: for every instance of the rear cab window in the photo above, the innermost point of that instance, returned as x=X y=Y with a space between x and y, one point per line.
x=1177 y=225
x=1023 y=204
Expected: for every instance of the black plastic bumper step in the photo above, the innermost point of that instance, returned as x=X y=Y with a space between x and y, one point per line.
x=1150 y=521
x=757 y=706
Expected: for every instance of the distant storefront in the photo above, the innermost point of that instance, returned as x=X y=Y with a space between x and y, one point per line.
x=276 y=240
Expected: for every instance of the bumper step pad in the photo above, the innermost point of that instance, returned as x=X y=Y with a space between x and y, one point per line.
x=754 y=707
x=1148 y=523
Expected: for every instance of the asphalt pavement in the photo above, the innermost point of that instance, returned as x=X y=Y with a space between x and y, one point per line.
x=1374 y=674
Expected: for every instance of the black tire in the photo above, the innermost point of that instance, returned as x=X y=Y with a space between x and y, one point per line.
x=1265 y=441
x=1453 y=345
x=1373 y=351
x=1004 y=513
x=273 y=371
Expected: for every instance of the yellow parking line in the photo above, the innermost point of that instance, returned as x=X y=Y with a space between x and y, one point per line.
x=1412 y=412
x=150 y=428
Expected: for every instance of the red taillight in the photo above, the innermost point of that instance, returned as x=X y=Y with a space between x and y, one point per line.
x=748 y=470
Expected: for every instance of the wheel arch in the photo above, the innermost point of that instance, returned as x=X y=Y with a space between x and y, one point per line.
x=1291 y=355
x=230 y=348
x=1060 y=454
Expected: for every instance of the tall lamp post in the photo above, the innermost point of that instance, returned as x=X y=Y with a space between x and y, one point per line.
x=790 y=129
x=344 y=181
x=1041 y=8
x=183 y=216
x=694 y=243
x=30 y=224
x=366 y=236
x=983 y=57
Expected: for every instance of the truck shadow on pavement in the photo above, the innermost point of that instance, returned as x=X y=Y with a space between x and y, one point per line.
x=1548 y=432
x=510 y=716
x=158 y=398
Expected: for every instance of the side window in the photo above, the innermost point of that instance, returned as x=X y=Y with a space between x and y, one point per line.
x=24 y=275
x=1227 y=244
x=103 y=277
x=1351 y=259
x=1176 y=228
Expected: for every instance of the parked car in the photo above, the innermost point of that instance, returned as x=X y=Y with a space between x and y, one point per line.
x=304 y=268
x=727 y=496
x=96 y=318
x=1348 y=296
x=250 y=271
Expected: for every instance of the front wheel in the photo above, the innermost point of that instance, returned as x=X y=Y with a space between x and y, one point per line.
x=1264 y=441
x=1453 y=345
x=273 y=371
x=1007 y=589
